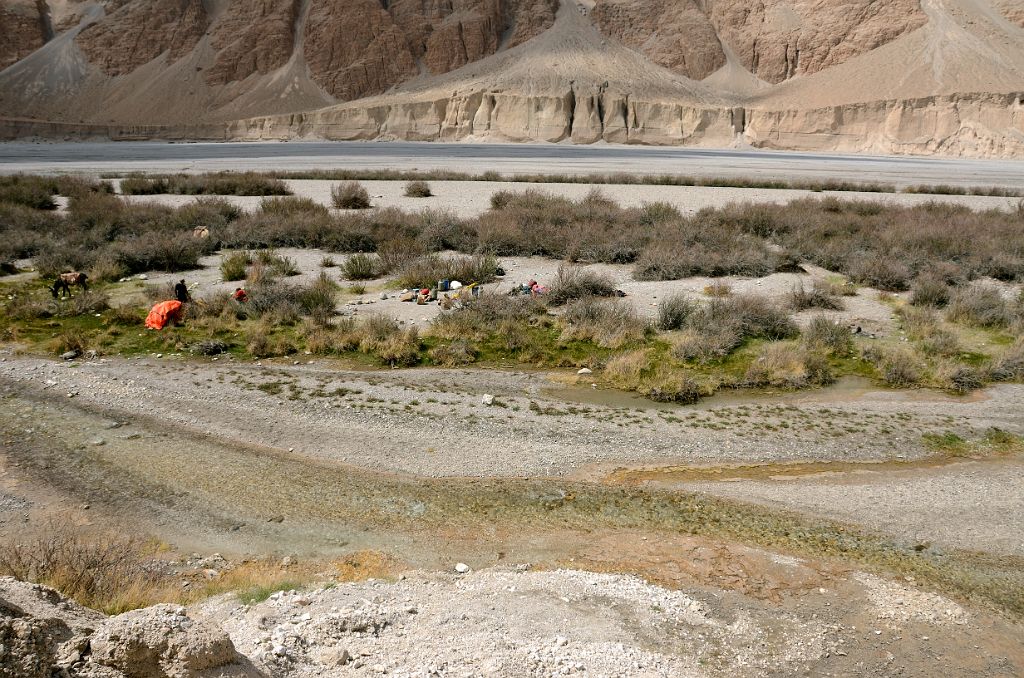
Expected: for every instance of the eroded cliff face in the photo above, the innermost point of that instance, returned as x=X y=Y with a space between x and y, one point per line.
x=984 y=125
x=252 y=36
x=676 y=35
x=23 y=29
x=356 y=48
x=775 y=39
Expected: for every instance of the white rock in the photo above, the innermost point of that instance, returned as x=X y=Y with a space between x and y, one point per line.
x=585 y=370
x=488 y=399
x=461 y=568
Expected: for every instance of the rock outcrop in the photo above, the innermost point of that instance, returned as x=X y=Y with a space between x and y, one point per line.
x=775 y=40
x=43 y=634
x=676 y=35
x=252 y=36
x=983 y=125
x=23 y=29
x=140 y=31
x=356 y=48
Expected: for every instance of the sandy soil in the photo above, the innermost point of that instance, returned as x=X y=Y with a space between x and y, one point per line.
x=471 y=198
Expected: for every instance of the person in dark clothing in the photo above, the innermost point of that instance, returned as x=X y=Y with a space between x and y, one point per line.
x=181 y=292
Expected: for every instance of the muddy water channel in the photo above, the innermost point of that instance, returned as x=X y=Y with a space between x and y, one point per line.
x=845 y=389
x=197 y=491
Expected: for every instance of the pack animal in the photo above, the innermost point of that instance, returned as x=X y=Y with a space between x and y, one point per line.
x=66 y=280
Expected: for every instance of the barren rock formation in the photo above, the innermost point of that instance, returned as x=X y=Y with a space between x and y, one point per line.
x=356 y=48
x=253 y=36
x=44 y=634
x=140 y=31
x=775 y=40
x=676 y=35
x=23 y=29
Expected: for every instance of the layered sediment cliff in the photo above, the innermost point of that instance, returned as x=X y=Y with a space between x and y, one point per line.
x=985 y=125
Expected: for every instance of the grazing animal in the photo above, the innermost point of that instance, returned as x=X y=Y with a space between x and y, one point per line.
x=66 y=280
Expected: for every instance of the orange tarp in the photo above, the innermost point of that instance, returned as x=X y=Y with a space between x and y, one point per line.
x=163 y=313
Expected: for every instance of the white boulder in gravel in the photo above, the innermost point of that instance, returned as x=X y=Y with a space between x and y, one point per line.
x=163 y=641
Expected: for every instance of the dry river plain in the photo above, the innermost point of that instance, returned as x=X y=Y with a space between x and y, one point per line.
x=810 y=533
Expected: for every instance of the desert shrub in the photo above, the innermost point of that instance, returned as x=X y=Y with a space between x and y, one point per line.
x=929 y=290
x=112 y=573
x=418 y=189
x=575 y=282
x=819 y=295
x=440 y=230
x=609 y=324
x=350 y=195
x=1009 y=365
x=487 y=314
x=704 y=346
x=786 y=365
x=233 y=266
x=882 y=272
x=273 y=301
x=958 y=377
x=453 y=354
x=980 y=306
x=27 y=191
x=501 y=199
x=426 y=271
x=673 y=311
x=361 y=267
x=396 y=253
x=74 y=339
x=262 y=343
x=826 y=335
x=159 y=252
x=291 y=206
x=318 y=298
x=635 y=371
x=751 y=315
x=212 y=183
x=327 y=262
x=277 y=264
x=671 y=386
x=401 y=349
x=898 y=367
x=382 y=337
x=625 y=369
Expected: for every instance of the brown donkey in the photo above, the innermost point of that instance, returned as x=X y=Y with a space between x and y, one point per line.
x=66 y=280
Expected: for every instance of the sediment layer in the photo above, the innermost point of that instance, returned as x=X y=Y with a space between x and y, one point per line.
x=984 y=125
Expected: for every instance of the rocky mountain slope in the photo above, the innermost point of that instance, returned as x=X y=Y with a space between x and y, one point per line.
x=901 y=76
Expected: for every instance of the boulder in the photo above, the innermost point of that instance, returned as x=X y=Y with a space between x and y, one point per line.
x=162 y=641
